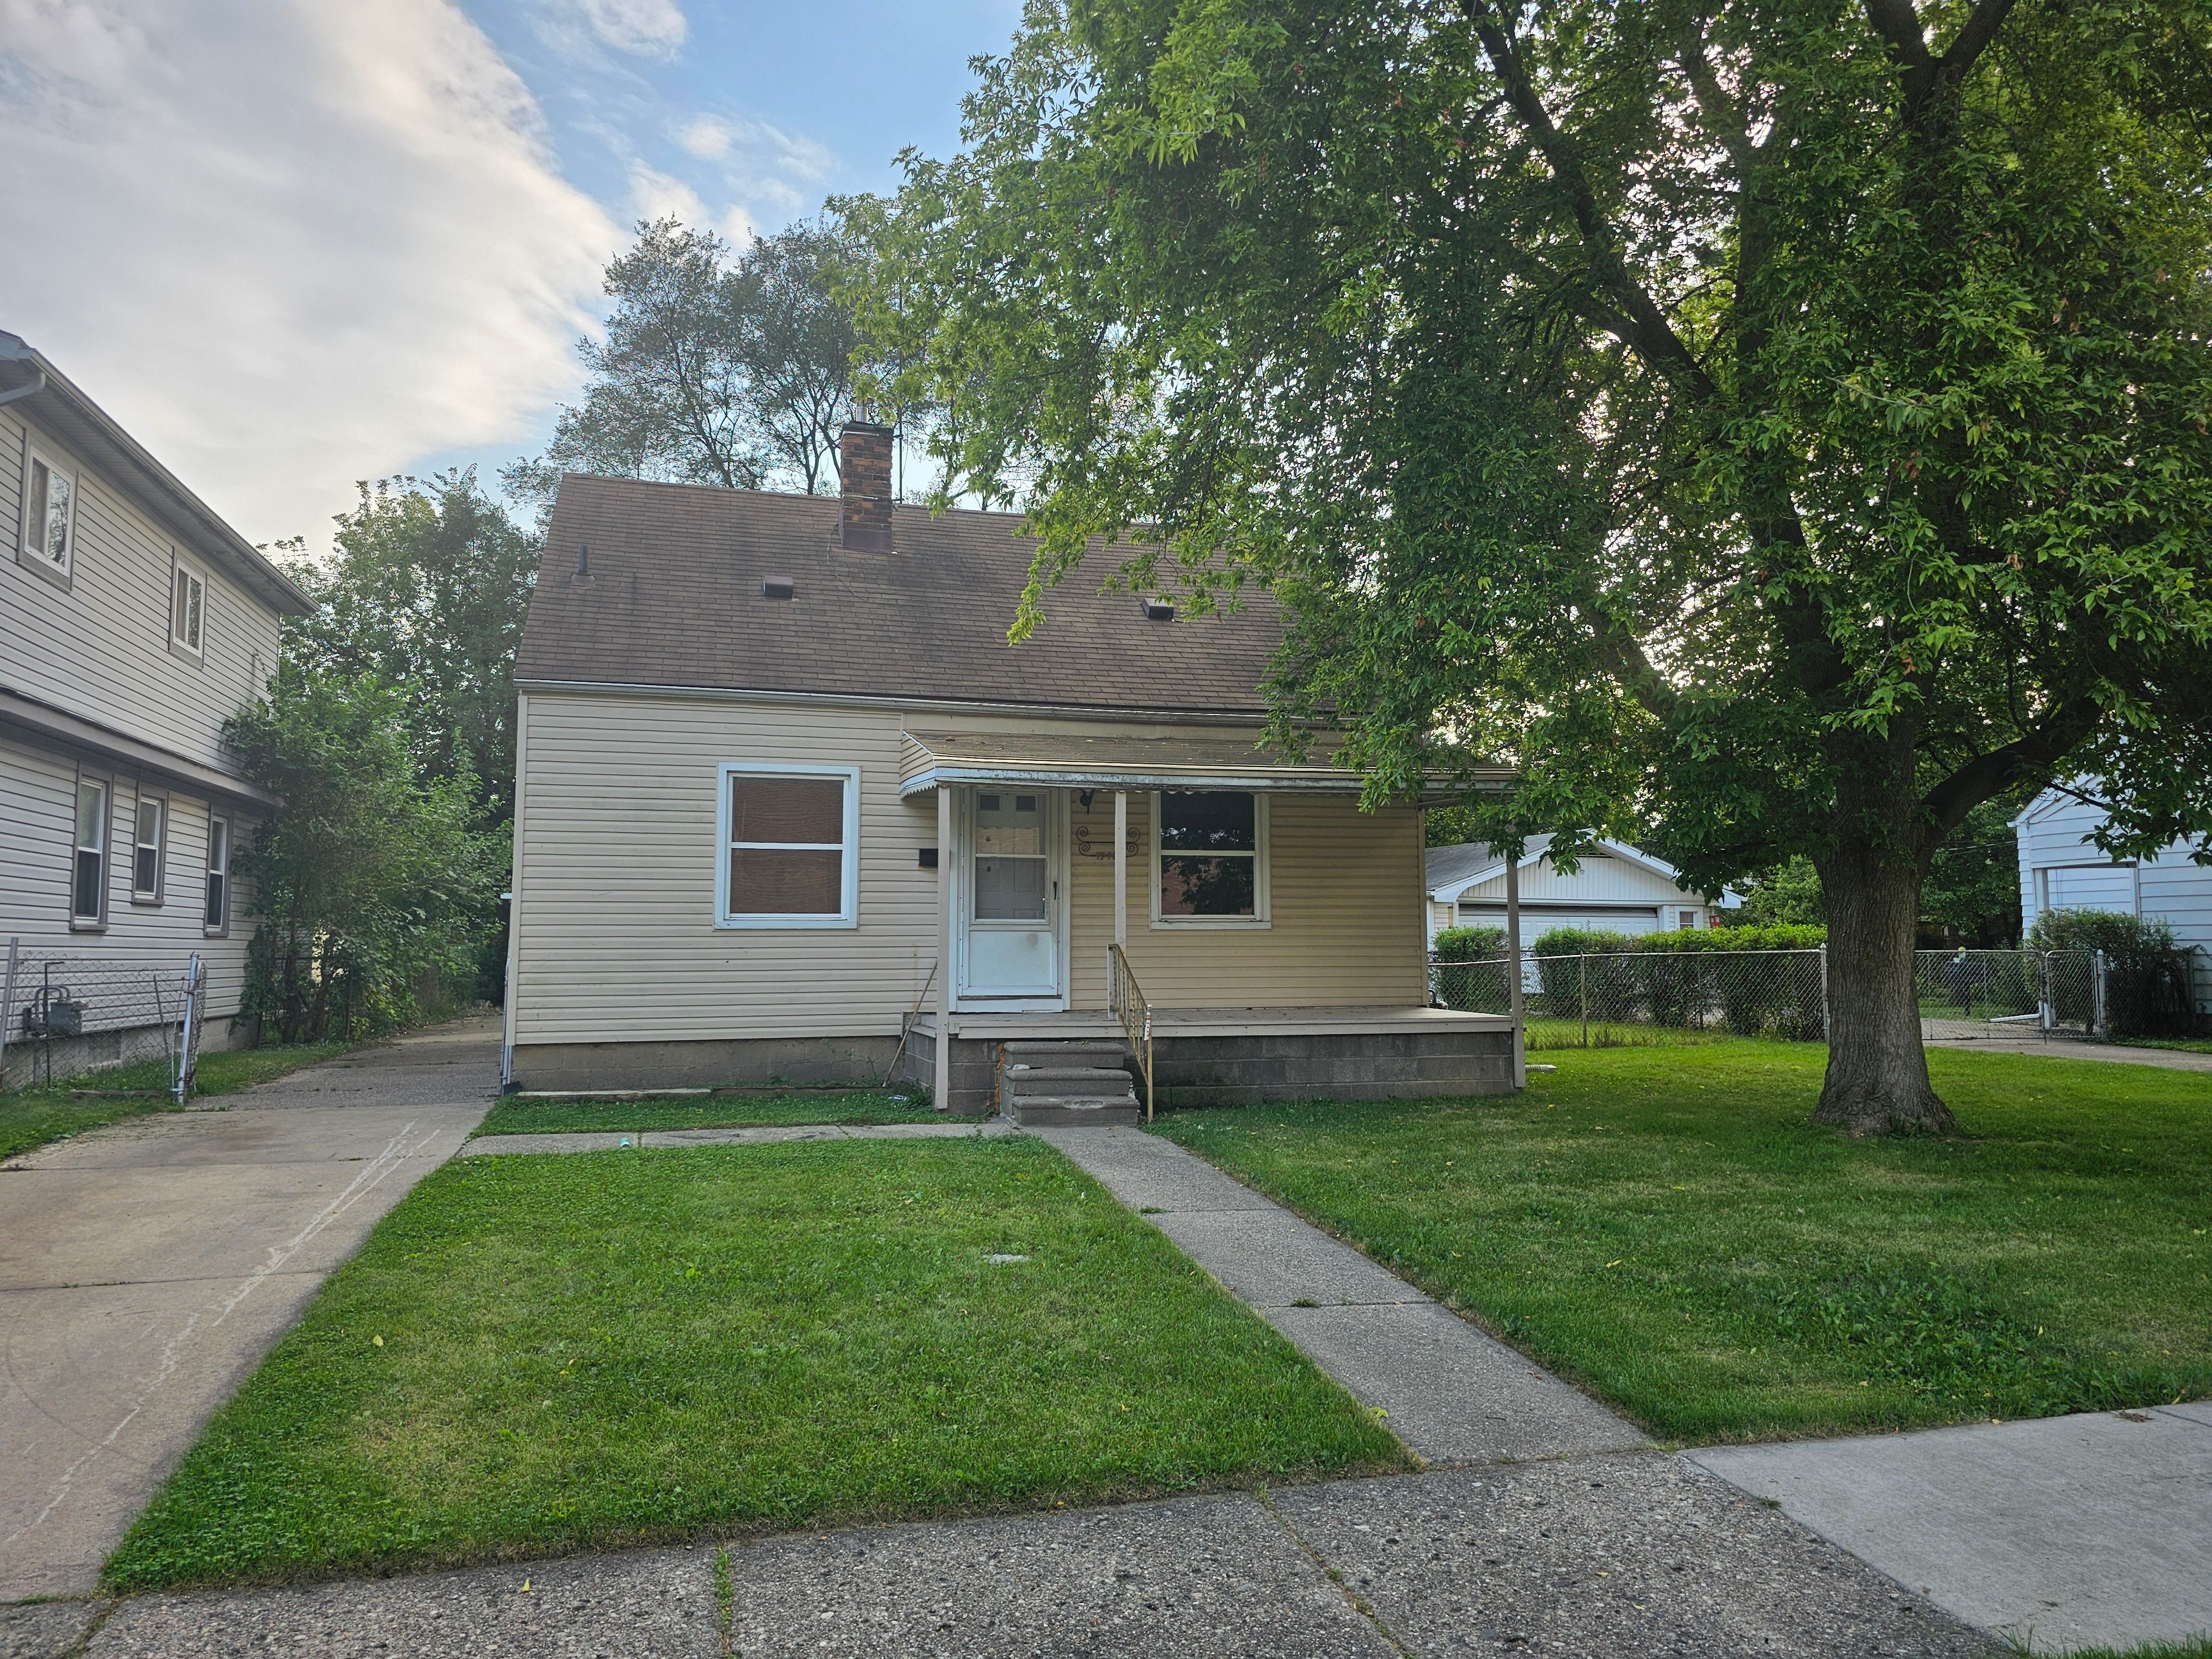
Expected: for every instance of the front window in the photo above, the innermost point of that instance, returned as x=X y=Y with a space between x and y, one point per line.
x=218 y=875
x=49 y=515
x=188 y=601
x=789 y=843
x=146 y=850
x=88 y=893
x=1211 y=864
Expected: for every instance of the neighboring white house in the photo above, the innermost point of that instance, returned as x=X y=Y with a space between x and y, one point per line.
x=2061 y=869
x=133 y=622
x=1615 y=886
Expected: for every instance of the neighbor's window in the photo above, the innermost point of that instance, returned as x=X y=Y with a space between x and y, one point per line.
x=88 y=889
x=187 y=603
x=146 y=849
x=790 y=838
x=1211 y=862
x=49 y=515
x=218 y=875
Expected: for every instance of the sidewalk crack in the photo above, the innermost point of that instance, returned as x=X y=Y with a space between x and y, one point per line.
x=1359 y=1603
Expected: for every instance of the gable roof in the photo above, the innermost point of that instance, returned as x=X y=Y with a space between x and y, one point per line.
x=1448 y=871
x=674 y=599
x=56 y=404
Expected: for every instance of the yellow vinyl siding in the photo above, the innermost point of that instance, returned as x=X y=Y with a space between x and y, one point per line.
x=615 y=938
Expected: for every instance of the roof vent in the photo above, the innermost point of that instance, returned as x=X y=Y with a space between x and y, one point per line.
x=583 y=562
x=1159 y=610
x=777 y=587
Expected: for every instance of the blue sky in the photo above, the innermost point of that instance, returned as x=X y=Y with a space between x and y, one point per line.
x=291 y=244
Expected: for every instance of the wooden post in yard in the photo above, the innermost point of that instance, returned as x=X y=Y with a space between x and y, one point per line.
x=1513 y=972
x=941 y=1082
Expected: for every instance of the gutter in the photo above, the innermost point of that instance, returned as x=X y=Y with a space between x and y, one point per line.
x=38 y=384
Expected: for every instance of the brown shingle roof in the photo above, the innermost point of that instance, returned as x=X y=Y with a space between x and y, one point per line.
x=674 y=598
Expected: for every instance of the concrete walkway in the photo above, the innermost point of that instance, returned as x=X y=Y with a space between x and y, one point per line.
x=2063 y=1532
x=145 y=1269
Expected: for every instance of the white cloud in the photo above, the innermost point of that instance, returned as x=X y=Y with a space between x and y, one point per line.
x=765 y=173
x=654 y=195
x=644 y=29
x=289 y=245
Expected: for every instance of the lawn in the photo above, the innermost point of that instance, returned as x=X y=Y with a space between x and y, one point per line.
x=1668 y=1227
x=535 y=1354
x=719 y=1111
x=32 y=1117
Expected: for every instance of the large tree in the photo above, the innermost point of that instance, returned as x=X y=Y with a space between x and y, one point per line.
x=426 y=590
x=1782 y=423
x=715 y=366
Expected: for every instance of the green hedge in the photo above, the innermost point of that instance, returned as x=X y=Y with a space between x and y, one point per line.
x=1659 y=979
x=1469 y=944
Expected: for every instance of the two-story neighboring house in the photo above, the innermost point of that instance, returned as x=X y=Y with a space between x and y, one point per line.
x=133 y=622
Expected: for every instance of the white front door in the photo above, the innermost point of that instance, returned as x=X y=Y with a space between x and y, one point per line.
x=1011 y=885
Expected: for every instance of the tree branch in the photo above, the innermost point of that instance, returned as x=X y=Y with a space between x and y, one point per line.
x=1993 y=773
x=1898 y=25
x=1647 y=331
x=1714 y=104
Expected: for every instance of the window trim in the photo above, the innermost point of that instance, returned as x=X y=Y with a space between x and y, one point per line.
x=848 y=912
x=182 y=569
x=219 y=928
x=106 y=784
x=1262 y=914
x=150 y=897
x=31 y=556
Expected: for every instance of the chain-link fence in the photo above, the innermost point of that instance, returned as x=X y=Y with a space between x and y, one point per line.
x=1615 y=999
x=64 y=1014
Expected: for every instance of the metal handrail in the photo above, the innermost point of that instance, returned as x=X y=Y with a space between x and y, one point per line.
x=1127 y=999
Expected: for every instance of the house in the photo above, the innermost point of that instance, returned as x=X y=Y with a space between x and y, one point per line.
x=133 y=622
x=1615 y=887
x=2061 y=869
x=790 y=806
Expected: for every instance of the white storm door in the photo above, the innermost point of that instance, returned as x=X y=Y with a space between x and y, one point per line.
x=1012 y=895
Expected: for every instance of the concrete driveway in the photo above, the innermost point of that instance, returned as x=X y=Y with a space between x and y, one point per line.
x=145 y=1269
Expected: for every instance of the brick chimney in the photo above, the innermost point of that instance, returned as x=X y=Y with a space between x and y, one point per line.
x=864 y=466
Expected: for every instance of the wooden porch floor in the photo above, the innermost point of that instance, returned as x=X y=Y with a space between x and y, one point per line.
x=1218 y=1022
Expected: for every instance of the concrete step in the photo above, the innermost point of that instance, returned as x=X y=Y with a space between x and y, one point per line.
x=1034 y=1111
x=1019 y=1048
x=1066 y=1080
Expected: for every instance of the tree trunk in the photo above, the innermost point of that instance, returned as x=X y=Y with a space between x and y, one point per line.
x=1877 y=1081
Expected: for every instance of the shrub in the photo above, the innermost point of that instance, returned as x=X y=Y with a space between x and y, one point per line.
x=1458 y=980
x=1470 y=944
x=2147 y=980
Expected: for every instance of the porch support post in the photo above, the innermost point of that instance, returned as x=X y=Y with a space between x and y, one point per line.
x=1122 y=868
x=1513 y=972
x=941 y=1083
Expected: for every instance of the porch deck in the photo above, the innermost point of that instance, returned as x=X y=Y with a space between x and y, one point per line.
x=1078 y=1024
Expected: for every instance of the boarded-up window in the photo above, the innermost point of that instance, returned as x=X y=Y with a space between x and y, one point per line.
x=787 y=851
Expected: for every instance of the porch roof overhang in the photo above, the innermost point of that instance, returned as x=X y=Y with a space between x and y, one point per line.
x=1071 y=761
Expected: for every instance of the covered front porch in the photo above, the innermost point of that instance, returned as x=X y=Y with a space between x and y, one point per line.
x=1228 y=923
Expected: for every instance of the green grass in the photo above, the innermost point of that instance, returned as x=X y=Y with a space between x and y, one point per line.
x=539 y=1354
x=733 y=1111
x=30 y=1118
x=1669 y=1228
x=2195 y=1647
x=2186 y=1045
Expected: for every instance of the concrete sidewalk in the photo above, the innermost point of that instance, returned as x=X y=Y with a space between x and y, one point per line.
x=2171 y=1059
x=2064 y=1532
x=145 y=1269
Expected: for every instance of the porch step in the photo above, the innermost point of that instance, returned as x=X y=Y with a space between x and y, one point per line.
x=1038 y=1111
x=1072 y=1082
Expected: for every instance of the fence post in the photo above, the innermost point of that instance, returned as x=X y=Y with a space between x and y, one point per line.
x=1513 y=972
x=1827 y=1022
x=2098 y=1027
x=1584 y=961
x=8 y=1005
